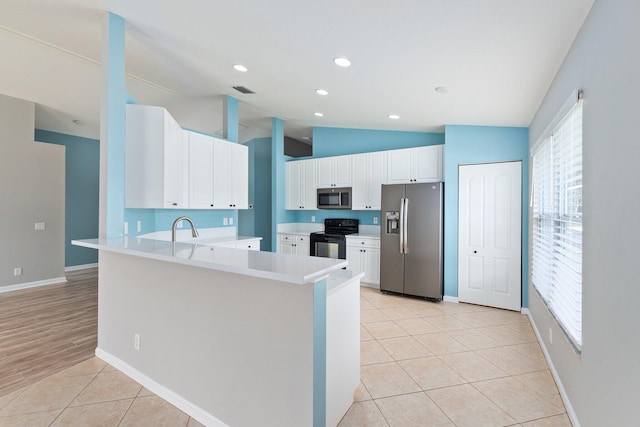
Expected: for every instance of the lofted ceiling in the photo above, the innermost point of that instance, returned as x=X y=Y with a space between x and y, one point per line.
x=496 y=58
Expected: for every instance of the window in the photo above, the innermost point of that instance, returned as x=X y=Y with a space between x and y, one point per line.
x=556 y=202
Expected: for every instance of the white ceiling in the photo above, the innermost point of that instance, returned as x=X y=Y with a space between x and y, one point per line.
x=496 y=57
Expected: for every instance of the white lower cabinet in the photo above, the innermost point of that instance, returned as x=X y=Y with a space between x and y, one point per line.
x=297 y=244
x=363 y=254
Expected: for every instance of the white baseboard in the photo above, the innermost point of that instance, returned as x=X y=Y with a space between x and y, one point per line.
x=369 y=285
x=525 y=310
x=563 y=393
x=170 y=396
x=447 y=298
x=80 y=267
x=35 y=284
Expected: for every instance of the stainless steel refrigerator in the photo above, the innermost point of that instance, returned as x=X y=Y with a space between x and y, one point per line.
x=411 y=239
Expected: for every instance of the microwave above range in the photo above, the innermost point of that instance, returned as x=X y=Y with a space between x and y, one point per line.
x=334 y=198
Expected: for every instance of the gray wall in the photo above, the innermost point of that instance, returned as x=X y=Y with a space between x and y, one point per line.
x=31 y=190
x=603 y=384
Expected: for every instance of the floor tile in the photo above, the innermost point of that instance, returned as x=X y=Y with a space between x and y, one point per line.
x=532 y=350
x=398 y=313
x=418 y=326
x=441 y=343
x=194 y=423
x=472 y=367
x=364 y=334
x=363 y=414
x=448 y=323
x=91 y=366
x=108 y=386
x=7 y=398
x=153 y=411
x=388 y=329
x=34 y=419
x=144 y=392
x=47 y=394
x=361 y=394
x=466 y=406
x=520 y=401
x=474 y=339
x=412 y=410
x=426 y=309
x=404 y=348
x=541 y=381
x=375 y=315
x=556 y=421
x=506 y=335
x=105 y=414
x=475 y=319
x=372 y=352
x=511 y=360
x=366 y=305
x=431 y=372
x=387 y=379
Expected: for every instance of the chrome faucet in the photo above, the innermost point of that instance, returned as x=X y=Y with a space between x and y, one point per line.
x=194 y=230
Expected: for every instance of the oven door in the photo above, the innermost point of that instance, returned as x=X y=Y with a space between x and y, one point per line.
x=328 y=246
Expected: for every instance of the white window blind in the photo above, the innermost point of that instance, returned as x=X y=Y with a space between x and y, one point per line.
x=556 y=247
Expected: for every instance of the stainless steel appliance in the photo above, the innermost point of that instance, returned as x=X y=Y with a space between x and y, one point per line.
x=411 y=240
x=332 y=243
x=334 y=198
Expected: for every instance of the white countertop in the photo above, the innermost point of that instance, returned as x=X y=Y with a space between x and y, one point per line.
x=367 y=235
x=268 y=265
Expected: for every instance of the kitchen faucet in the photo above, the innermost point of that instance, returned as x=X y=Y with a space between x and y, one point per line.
x=194 y=231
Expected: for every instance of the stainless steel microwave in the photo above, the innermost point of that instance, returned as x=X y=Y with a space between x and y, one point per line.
x=334 y=198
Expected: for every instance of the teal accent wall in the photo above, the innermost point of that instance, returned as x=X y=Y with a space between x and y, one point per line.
x=115 y=123
x=329 y=142
x=365 y=217
x=82 y=187
x=481 y=144
x=257 y=221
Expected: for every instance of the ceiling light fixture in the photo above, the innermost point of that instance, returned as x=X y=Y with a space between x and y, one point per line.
x=322 y=92
x=342 y=62
x=318 y=114
x=241 y=68
x=441 y=89
x=394 y=116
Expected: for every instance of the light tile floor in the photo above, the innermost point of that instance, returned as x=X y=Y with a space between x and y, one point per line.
x=423 y=364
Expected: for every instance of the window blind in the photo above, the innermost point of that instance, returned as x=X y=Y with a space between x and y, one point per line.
x=556 y=202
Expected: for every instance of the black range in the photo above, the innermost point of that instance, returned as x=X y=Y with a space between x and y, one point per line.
x=332 y=243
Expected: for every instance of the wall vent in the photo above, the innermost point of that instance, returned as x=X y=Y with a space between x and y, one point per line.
x=243 y=89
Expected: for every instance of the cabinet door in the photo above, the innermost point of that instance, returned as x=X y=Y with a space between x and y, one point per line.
x=239 y=196
x=302 y=248
x=371 y=265
x=360 y=184
x=309 y=184
x=286 y=248
x=200 y=171
x=174 y=150
x=221 y=175
x=324 y=173
x=399 y=167
x=427 y=164
x=341 y=171
x=292 y=182
x=354 y=256
x=377 y=175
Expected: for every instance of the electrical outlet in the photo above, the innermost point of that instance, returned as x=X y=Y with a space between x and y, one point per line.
x=139 y=226
x=225 y=221
x=550 y=335
x=375 y=220
x=231 y=221
x=40 y=226
x=17 y=271
x=136 y=342
x=126 y=228
x=313 y=218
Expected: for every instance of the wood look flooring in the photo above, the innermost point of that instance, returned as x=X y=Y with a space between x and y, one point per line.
x=47 y=329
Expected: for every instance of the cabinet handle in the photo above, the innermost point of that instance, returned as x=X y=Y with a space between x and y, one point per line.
x=211 y=204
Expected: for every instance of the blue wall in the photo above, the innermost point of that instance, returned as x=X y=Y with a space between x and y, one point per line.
x=82 y=184
x=480 y=144
x=257 y=221
x=338 y=141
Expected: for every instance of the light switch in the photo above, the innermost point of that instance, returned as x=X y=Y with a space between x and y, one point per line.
x=231 y=221
x=126 y=228
x=139 y=226
x=225 y=221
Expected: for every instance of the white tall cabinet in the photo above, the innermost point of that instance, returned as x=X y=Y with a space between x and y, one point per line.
x=155 y=163
x=300 y=183
x=369 y=173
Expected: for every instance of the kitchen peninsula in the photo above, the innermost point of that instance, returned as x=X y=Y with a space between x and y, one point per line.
x=231 y=336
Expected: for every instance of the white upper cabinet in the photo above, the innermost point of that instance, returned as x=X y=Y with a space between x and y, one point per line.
x=218 y=173
x=421 y=164
x=300 y=184
x=334 y=172
x=154 y=162
x=369 y=173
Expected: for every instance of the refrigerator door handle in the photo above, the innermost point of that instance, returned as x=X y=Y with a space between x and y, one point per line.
x=402 y=225
x=405 y=226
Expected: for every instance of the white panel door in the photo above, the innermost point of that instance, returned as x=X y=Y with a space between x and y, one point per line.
x=489 y=234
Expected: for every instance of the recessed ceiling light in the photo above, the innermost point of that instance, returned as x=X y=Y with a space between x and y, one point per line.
x=342 y=62
x=394 y=116
x=241 y=68
x=442 y=89
x=322 y=92
x=78 y=122
x=317 y=114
